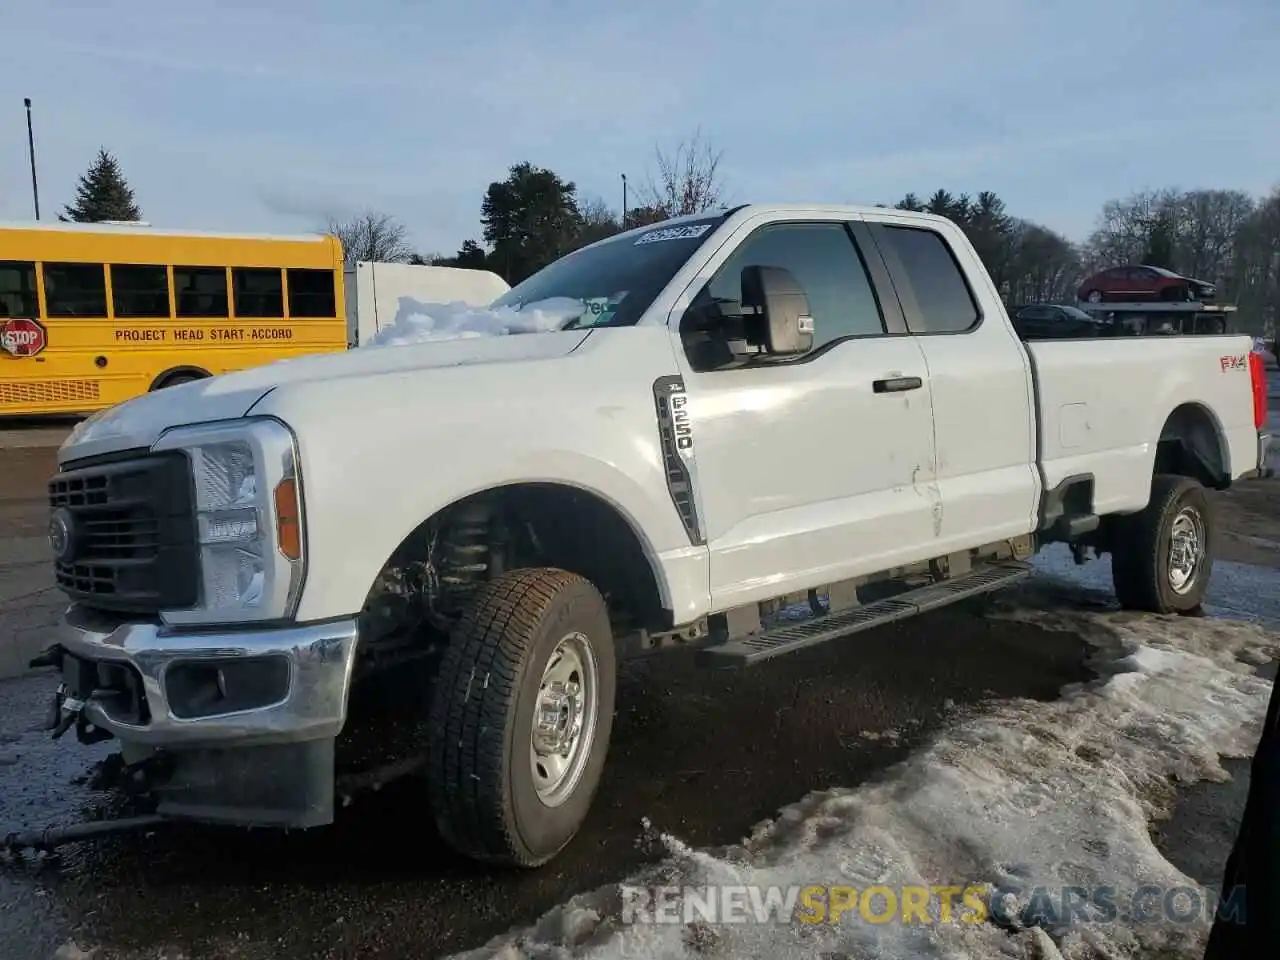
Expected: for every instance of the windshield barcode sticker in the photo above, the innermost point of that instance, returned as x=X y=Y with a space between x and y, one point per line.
x=690 y=232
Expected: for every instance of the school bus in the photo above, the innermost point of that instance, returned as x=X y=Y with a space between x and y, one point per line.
x=94 y=314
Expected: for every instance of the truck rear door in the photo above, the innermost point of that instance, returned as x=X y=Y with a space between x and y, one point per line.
x=984 y=413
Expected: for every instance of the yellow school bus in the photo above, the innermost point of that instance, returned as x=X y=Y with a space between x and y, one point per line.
x=93 y=314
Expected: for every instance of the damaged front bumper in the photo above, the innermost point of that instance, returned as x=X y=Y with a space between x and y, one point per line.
x=231 y=727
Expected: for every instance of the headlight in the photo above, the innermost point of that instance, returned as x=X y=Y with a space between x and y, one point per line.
x=249 y=524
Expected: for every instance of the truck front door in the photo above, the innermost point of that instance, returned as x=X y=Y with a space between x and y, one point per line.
x=806 y=471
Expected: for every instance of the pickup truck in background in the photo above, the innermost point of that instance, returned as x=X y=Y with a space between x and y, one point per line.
x=294 y=582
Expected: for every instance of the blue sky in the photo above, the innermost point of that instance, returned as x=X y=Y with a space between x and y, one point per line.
x=267 y=115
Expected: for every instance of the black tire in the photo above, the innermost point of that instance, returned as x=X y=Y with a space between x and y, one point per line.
x=1093 y=296
x=1141 y=557
x=480 y=757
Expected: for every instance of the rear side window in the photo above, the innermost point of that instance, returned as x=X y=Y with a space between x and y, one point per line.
x=75 y=289
x=941 y=292
x=139 y=292
x=200 y=291
x=17 y=289
x=259 y=292
x=311 y=293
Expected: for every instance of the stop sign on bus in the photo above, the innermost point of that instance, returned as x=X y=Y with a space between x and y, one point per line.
x=22 y=337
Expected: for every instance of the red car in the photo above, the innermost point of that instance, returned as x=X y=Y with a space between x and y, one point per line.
x=1143 y=283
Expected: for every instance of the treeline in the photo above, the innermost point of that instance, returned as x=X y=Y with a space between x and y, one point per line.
x=535 y=215
x=1226 y=236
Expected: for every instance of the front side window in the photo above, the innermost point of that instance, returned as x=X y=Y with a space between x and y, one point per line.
x=827 y=264
x=942 y=294
x=75 y=289
x=18 y=289
x=139 y=292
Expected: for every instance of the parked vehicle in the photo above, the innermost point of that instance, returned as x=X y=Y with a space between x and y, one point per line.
x=430 y=558
x=379 y=295
x=1042 y=321
x=1139 y=283
x=94 y=314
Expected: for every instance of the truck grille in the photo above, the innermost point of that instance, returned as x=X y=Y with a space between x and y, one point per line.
x=133 y=534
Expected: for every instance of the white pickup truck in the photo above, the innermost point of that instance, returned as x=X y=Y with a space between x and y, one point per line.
x=296 y=581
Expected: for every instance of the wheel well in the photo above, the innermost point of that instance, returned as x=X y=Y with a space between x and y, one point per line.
x=1191 y=445
x=540 y=524
x=163 y=379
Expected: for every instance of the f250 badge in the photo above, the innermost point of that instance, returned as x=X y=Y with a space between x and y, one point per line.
x=1234 y=363
x=680 y=424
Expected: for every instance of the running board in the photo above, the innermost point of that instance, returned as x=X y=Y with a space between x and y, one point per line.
x=746 y=651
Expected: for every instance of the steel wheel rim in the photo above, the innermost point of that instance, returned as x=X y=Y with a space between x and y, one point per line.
x=564 y=719
x=1186 y=550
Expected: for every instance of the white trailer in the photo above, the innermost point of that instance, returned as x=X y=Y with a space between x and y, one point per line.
x=378 y=293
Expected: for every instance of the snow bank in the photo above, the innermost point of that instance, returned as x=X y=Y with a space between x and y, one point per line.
x=1018 y=795
x=451 y=321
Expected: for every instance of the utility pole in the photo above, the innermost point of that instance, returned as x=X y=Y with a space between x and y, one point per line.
x=624 y=201
x=31 y=149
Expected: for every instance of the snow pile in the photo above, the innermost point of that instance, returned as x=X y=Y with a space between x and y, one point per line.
x=421 y=322
x=1019 y=796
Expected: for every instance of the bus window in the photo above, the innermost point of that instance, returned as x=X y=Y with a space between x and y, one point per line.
x=259 y=292
x=311 y=293
x=200 y=291
x=75 y=289
x=17 y=289
x=139 y=292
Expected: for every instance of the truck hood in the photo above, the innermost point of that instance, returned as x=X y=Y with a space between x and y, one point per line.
x=139 y=422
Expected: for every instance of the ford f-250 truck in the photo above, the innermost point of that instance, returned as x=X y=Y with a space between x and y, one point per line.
x=296 y=581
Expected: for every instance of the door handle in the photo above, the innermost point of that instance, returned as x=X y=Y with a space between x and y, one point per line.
x=896 y=384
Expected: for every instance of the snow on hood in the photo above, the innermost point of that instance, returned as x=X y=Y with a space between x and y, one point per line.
x=458 y=320
x=451 y=334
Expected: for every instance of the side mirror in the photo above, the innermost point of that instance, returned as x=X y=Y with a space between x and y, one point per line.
x=779 y=319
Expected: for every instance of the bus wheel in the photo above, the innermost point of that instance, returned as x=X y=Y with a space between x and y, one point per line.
x=178 y=378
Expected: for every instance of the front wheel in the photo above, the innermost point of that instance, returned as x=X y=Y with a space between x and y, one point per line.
x=1162 y=557
x=1094 y=296
x=521 y=714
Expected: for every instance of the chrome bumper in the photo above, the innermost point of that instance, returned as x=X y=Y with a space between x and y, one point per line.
x=1264 y=444
x=311 y=706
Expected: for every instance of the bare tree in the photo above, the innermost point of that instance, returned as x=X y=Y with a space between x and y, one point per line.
x=379 y=237
x=1042 y=266
x=686 y=181
x=597 y=221
x=1257 y=256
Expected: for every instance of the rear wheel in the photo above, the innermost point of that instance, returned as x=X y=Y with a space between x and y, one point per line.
x=521 y=714
x=1162 y=557
x=1094 y=296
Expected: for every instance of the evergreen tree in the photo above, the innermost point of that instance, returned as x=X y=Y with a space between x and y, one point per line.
x=102 y=194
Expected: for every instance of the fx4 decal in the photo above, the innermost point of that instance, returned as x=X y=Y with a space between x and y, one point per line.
x=1234 y=363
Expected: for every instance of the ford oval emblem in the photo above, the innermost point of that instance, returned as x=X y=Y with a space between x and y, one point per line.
x=62 y=534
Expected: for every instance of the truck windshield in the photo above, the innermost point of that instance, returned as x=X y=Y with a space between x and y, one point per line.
x=618 y=279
